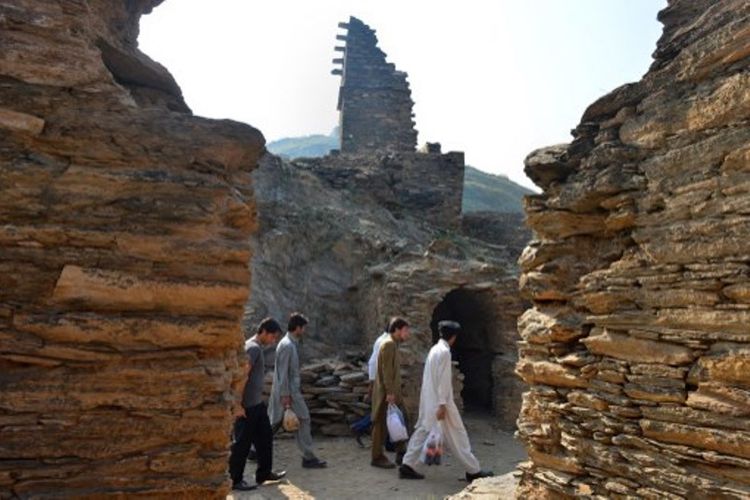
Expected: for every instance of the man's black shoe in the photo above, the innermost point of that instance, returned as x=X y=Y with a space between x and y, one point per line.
x=481 y=473
x=243 y=486
x=271 y=476
x=314 y=463
x=406 y=472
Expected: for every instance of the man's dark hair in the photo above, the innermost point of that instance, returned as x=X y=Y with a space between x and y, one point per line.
x=448 y=329
x=269 y=325
x=295 y=321
x=396 y=323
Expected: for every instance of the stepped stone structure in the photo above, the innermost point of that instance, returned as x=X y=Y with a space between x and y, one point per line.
x=374 y=98
x=637 y=348
x=124 y=250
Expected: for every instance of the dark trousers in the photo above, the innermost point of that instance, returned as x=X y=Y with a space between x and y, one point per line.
x=254 y=429
x=380 y=433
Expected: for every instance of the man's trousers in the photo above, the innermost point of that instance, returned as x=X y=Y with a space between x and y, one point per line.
x=454 y=436
x=380 y=433
x=254 y=429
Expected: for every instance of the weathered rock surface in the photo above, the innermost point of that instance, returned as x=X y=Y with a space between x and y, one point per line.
x=637 y=347
x=124 y=226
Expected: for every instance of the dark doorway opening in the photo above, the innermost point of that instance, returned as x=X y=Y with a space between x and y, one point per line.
x=473 y=349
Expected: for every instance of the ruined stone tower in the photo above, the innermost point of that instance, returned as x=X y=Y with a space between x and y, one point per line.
x=374 y=98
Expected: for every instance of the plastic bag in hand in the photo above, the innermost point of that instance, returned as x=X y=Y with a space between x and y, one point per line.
x=396 y=425
x=433 y=448
x=290 y=422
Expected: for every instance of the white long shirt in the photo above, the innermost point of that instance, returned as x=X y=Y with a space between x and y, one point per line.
x=437 y=389
x=372 y=364
x=437 y=385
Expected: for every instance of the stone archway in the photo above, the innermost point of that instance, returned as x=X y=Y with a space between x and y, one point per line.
x=475 y=349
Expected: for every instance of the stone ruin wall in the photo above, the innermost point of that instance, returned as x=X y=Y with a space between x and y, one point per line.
x=359 y=265
x=414 y=288
x=637 y=348
x=374 y=98
x=382 y=230
x=427 y=186
x=124 y=226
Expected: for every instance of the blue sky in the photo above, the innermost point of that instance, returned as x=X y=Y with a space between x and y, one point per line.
x=494 y=79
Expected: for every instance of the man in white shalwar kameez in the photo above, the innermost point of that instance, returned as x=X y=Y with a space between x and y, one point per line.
x=436 y=403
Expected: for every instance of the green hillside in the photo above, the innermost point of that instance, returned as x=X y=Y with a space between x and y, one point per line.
x=495 y=193
x=482 y=191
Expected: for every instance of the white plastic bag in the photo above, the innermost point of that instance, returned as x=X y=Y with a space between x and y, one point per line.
x=289 y=421
x=396 y=425
x=433 y=448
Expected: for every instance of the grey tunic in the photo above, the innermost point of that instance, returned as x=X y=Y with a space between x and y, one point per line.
x=286 y=381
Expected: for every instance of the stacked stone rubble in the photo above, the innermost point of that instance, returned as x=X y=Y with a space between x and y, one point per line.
x=637 y=348
x=374 y=98
x=124 y=227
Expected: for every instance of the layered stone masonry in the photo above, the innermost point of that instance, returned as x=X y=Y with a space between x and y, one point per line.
x=637 y=348
x=426 y=186
x=374 y=98
x=124 y=250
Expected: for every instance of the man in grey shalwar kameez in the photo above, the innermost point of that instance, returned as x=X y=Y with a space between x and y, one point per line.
x=287 y=392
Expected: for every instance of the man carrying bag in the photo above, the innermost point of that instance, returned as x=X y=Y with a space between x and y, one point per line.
x=436 y=404
x=387 y=391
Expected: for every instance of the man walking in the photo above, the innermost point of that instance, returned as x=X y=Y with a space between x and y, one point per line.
x=372 y=364
x=363 y=425
x=287 y=391
x=387 y=390
x=254 y=428
x=436 y=403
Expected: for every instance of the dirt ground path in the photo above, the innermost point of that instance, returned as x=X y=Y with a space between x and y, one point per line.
x=350 y=476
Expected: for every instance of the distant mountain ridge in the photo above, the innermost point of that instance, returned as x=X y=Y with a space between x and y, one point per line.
x=309 y=146
x=482 y=191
